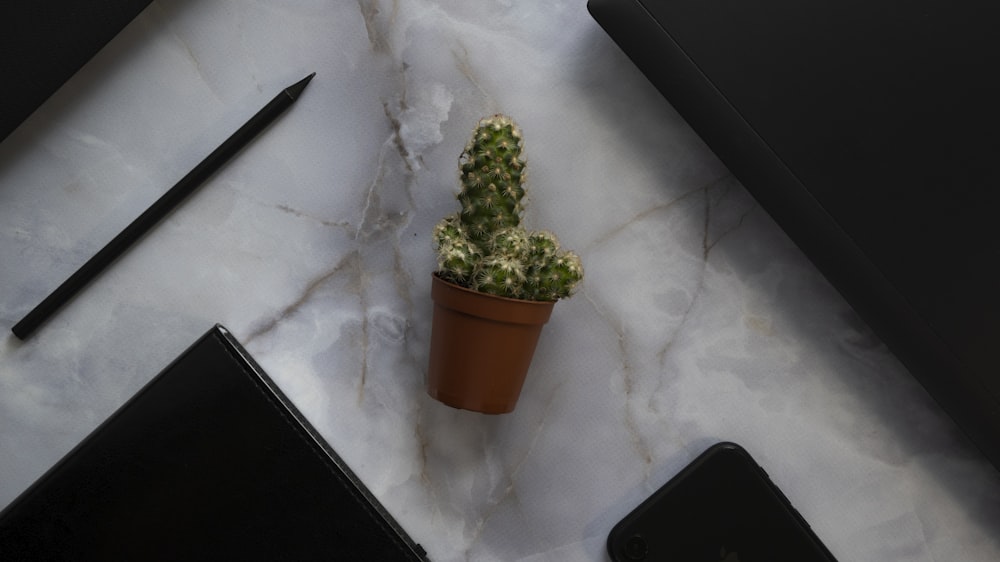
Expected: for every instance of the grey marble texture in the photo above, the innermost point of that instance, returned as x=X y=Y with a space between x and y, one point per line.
x=698 y=321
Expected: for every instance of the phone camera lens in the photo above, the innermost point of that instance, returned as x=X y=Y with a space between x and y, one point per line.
x=636 y=548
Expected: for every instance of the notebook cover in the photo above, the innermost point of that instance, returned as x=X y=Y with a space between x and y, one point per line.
x=208 y=461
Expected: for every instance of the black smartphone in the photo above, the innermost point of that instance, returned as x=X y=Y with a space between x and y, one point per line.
x=722 y=507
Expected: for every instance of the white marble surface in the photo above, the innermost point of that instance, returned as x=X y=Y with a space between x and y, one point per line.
x=698 y=321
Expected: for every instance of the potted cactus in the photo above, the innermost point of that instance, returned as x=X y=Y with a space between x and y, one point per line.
x=496 y=282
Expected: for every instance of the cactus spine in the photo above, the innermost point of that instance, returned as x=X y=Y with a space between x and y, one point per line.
x=483 y=247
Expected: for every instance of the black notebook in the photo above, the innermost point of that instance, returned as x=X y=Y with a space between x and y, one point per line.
x=208 y=461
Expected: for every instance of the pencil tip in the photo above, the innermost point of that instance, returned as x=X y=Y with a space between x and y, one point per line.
x=296 y=89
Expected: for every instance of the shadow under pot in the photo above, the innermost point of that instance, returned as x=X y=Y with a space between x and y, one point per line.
x=481 y=347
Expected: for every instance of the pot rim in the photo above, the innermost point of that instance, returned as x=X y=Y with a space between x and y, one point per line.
x=484 y=305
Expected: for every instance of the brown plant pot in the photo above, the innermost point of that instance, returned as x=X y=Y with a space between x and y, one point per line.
x=481 y=347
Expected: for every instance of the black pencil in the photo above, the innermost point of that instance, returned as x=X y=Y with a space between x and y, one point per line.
x=159 y=209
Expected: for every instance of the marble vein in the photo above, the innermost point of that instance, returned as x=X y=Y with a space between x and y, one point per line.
x=397 y=138
x=466 y=69
x=509 y=482
x=377 y=35
x=302 y=214
x=365 y=336
x=627 y=379
x=641 y=216
x=699 y=285
x=267 y=326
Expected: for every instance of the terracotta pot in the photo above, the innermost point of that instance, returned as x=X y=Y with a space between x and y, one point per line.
x=481 y=347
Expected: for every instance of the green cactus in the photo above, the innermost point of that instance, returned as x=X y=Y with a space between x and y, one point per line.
x=483 y=247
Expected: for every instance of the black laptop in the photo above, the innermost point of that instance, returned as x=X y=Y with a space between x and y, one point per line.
x=869 y=130
x=43 y=44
